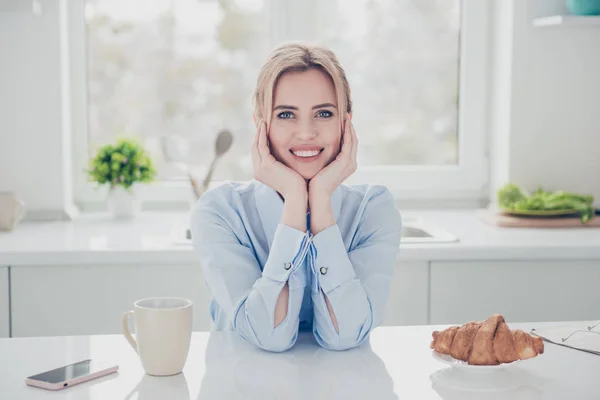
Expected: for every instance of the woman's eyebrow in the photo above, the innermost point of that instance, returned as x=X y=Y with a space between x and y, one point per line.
x=324 y=105
x=285 y=107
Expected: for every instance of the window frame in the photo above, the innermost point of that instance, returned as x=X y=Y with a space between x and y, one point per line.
x=464 y=184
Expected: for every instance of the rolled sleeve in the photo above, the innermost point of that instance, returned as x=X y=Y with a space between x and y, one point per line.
x=331 y=263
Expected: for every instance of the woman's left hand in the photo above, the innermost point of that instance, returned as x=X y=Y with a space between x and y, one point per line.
x=324 y=183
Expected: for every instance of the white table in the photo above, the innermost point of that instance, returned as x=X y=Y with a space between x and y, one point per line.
x=396 y=364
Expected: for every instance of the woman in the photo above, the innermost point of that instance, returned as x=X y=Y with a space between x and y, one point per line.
x=295 y=249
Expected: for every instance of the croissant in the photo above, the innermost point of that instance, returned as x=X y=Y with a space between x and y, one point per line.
x=488 y=342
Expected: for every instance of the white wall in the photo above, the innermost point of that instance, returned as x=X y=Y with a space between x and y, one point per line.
x=35 y=155
x=545 y=124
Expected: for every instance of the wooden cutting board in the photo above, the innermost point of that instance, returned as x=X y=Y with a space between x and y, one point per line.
x=497 y=218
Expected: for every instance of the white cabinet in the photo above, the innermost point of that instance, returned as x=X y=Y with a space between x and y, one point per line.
x=4 y=303
x=521 y=291
x=83 y=300
x=408 y=300
x=80 y=300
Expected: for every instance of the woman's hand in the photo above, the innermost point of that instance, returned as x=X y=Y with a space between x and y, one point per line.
x=271 y=172
x=323 y=184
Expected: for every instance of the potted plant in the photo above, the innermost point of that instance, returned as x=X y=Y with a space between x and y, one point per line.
x=121 y=166
x=583 y=7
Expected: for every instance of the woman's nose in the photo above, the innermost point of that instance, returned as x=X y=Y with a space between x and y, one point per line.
x=306 y=130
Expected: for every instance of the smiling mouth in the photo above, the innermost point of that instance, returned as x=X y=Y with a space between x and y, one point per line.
x=306 y=153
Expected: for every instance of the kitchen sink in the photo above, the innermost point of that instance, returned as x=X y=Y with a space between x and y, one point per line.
x=414 y=230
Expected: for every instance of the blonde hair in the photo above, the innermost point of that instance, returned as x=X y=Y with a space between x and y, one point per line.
x=296 y=57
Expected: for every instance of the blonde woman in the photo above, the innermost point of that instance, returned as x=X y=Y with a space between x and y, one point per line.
x=295 y=249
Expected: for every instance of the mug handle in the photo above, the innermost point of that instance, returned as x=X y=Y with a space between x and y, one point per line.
x=126 y=331
x=20 y=211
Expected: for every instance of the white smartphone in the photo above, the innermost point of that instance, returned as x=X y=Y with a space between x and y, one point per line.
x=70 y=375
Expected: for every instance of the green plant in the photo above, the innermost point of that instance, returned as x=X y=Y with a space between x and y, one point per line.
x=122 y=164
x=511 y=197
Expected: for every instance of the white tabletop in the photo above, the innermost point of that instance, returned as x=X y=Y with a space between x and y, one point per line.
x=396 y=364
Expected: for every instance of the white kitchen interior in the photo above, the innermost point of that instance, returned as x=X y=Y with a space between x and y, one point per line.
x=527 y=106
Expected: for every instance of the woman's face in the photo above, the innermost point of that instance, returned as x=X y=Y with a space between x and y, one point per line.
x=304 y=131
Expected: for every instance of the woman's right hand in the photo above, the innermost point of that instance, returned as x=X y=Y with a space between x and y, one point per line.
x=271 y=172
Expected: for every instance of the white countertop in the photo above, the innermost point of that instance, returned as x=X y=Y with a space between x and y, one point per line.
x=396 y=363
x=151 y=238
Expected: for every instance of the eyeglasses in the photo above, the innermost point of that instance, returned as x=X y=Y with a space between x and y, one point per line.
x=589 y=330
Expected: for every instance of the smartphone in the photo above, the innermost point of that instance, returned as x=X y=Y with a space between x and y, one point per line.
x=70 y=375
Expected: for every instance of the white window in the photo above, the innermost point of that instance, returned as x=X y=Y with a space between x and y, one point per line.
x=178 y=71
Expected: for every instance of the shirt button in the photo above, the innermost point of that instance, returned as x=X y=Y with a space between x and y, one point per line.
x=323 y=270
x=287 y=265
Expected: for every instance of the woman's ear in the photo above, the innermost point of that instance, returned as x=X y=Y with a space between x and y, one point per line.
x=350 y=115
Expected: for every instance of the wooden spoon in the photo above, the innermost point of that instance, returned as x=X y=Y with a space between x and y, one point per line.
x=222 y=145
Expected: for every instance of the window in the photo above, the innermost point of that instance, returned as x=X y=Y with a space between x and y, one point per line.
x=402 y=62
x=175 y=72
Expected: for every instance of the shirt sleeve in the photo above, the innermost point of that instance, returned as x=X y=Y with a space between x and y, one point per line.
x=356 y=282
x=245 y=292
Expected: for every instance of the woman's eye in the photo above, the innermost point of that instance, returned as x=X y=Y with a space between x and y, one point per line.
x=325 y=114
x=285 y=115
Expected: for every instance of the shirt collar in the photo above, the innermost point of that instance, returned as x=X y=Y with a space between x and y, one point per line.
x=270 y=207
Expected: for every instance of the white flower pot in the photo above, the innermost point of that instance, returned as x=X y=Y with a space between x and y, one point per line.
x=122 y=203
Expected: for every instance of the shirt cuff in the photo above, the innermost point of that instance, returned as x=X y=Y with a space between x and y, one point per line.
x=332 y=266
x=287 y=252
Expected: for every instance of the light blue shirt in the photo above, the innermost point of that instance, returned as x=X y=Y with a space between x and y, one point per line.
x=248 y=255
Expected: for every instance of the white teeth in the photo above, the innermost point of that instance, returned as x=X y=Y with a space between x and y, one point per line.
x=310 y=153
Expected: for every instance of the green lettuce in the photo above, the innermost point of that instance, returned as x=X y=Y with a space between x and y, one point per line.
x=511 y=197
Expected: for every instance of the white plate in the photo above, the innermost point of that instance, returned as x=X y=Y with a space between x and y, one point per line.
x=459 y=364
x=452 y=380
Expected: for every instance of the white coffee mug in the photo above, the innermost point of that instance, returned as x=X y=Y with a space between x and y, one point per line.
x=11 y=211
x=163 y=330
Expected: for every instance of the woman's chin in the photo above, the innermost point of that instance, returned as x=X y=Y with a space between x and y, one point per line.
x=307 y=172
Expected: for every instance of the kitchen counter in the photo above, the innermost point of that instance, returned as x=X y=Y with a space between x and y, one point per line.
x=155 y=238
x=396 y=363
